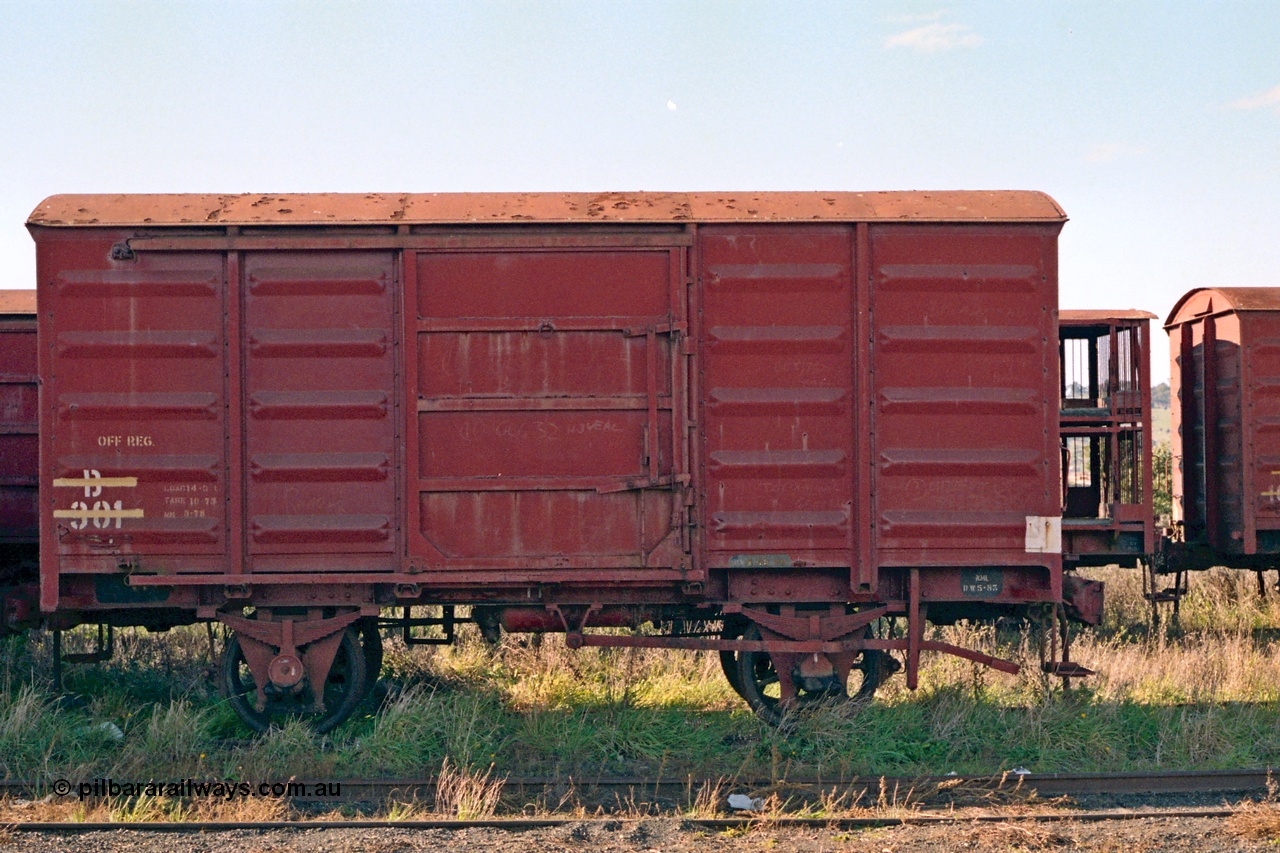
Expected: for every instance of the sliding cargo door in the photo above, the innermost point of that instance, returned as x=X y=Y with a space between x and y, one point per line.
x=319 y=402
x=548 y=438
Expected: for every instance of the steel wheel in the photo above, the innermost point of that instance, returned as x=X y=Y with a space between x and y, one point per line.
x=343 y=690
x=759 y=682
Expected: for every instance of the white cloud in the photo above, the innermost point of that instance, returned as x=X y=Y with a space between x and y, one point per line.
x=1269 y=98
x=1109 y=152
x=671 y=105
x=935 y=37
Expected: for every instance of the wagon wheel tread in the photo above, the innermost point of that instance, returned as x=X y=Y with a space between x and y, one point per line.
x=756 y=674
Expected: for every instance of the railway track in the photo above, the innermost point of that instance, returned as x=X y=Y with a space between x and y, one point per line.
x=915 y=805
x=357 y=791
x=1044 y=784
x=716 y=824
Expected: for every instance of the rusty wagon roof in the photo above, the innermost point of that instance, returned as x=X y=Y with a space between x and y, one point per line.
x=451 y=208
x=1218 y=300
x=17 y=301
x=1089 y=315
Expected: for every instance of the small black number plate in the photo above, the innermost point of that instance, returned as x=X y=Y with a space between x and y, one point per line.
x=981 y=583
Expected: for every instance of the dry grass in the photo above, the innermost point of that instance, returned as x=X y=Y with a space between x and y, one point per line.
x=546 y=675
x=1204 y=695
x=45 y=810
x=1221 y=650
x=145 y=809
x=1256 y=822
x=467 y=795
x=1016 y=835
x=460 y=795
x=710 y=799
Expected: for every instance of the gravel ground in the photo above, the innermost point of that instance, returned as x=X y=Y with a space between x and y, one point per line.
x=1257 y=829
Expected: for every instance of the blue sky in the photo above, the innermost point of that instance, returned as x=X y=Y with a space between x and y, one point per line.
x=1155 y=125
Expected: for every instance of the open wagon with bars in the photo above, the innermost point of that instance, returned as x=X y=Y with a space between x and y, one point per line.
x=1107 y=500
x=756 y=423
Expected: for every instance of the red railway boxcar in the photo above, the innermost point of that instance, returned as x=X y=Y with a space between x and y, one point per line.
x=1225 y=391
x=19 y=422
x=760 y=422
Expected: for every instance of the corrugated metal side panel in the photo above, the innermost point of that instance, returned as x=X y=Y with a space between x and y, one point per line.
x=1228 y=458
x=319 y=402
x=1260 y=340
x=545 y=405
x=1186 y=347
x=19 y=425
x=1180 y=422
x=965 y=397
x=1210 y=442
x=777 y=374
x=134 y=409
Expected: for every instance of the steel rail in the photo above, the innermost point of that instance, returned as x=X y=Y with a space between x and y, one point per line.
x=518 y=824
x=1044 y=784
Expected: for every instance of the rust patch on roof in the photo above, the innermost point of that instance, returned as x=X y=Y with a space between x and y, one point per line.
x=1223 y=300
x=17 y=302
x=460 y=208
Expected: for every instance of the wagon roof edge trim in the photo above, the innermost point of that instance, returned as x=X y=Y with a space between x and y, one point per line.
x=141 y=210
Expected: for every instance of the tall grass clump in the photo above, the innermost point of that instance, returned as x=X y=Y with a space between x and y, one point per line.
x=466 y=794
x=1222 y=648
x=422 y=727
x=171 y=741
x=38 y=740
x=291 y=750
